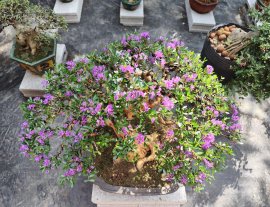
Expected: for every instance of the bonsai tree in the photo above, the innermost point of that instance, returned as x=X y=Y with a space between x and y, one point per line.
x=35 y=25
x=252 y=65
x=140 y=113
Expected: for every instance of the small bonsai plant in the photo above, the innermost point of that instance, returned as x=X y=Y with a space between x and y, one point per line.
x=35 y=26
x=203 y=6
x=252 y=65
x=140 y=113
x=131 y=4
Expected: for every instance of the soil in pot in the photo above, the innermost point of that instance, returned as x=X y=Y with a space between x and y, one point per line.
x=118 y=173
x=131 y=4
x=203 y=6
x=25 y=54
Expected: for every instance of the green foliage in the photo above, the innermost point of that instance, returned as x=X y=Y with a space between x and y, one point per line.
x=118 y=97
x=252 y=68
x=26 y=17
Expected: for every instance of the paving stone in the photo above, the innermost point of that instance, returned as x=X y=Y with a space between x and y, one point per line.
x=31 y=85
x=132 y=18
x=105 y=199
x=199 y=22
x=71 y=11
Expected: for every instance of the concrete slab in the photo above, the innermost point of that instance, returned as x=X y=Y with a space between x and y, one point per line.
x=71 y=11
x=32 y=84
x=132 y=18
x=105 y=199
x=199 y=22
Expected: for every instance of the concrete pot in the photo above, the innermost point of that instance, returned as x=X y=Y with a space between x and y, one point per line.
x=38 y=67
x=201 y=7
x=135 y=191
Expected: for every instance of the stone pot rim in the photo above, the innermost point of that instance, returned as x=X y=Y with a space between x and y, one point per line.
x=206 y=4
x=133 y=190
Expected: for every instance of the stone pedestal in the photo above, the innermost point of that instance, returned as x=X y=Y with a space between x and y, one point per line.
x=199 y=22
x=132 y=18
x=105 y=199
x=31 y=85
x=71 y=11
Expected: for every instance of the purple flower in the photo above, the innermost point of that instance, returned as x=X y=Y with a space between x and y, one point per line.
x=188 y=154
x=209 y=69
x=98 y=108
x=153 y=120
x=46 y=162
x=159 y=54
x=100 y=122
x=146 y=107
x=31 y=107
x=162 y=63
x=170 y=133
x=79 y=168
x=127 y=68
x=176 y=79
x=201 y=178
x=176 y=167
x=84 y=60
x=68 y=94
x=24 y=125
x=48 y=98
x=167 y=103
x=98 y=73
x=124 y=41
x=140 y=138
x=216 y=113
x=184 y=180
x=145 y=35
x=70 y=173
x=109 y=110
x=132 y=95
x=218 y=123
x=70 y=64
x=208 y=163
x=235 y=127
x=61 y=133
x=44 y=83
x=169 y=84
x=24 y=148
x=208 y=140
x=170 y=177
x=38 y=158
x=125 y=131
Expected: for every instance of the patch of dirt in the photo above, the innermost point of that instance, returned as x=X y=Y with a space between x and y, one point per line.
x=118 y=173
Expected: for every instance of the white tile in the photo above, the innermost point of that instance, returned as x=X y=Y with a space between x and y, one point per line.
x=31 y=85
x=71 y=11
x=199 y=22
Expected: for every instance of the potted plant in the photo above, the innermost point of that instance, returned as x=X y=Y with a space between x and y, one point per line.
x=141 y=113
x=261 y=4
x=66 y=1
x=203 y=6
x=131 y=4
x=252 y=65
x=36 y=30
x=221 y=46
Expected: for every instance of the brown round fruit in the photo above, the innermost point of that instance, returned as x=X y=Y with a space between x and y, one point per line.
x=220 y=48
x=213 y=34
x=224 y=53
x=222 y=37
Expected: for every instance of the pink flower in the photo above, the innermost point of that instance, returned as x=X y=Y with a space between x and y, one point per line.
x=109 y=110
x=100 y=122
x=140 y=138
x=125 y=131
x=209 y=69
x=208 y=163
x=159 y=54
x=127 y=68
x=169 y=84
x=162 y=63
x=153 y=120
x=167 y=103
x=170 y=133
x=145 y=107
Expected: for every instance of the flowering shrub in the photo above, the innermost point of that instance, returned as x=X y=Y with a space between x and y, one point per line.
x=135 y=94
